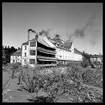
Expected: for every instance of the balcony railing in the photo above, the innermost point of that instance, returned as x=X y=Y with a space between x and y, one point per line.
x=42 y=49
x=46 y=57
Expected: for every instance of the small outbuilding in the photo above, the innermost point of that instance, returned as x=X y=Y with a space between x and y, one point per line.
x=16 y=57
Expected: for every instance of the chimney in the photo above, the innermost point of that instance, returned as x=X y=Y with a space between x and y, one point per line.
x=36 y=37
x=29 y=33
x=57 y=36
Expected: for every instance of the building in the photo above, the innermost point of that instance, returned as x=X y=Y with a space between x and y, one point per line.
x=65 y=51
x=44 y=51
x=96 y=58
x=16 y=57
x=38 y=51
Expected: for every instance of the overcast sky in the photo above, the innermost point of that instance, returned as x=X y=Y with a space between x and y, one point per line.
x=61 y=18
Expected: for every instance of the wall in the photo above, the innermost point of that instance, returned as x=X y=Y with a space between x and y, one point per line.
x=16 y=59
x=28 y=55
x=23 y=54
x=67 y=55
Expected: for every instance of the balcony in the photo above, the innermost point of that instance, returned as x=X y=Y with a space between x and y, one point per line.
x=42 y=57
x=48 y=51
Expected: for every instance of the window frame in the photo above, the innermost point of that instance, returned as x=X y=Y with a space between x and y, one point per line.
x=32 y=45
x=25 y=54
x=31 y=52
x=25 y=47
x=32 y=62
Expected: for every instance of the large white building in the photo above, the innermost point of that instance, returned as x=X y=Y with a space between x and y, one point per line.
x=44 y=51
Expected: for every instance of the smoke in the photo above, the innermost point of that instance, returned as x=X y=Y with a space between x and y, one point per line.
x=89 y=31
x=88 y=26
x=45 y=32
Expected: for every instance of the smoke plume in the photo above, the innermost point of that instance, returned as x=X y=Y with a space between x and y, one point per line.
x=88 y=26
x=88 y=31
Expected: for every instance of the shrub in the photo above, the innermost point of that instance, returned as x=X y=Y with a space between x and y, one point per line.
x=56 y=84
x=14 y=68
x=29 y=81
x=41 y=99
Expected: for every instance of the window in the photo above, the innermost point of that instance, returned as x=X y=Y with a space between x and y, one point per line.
x=60 y=56
x=25 y=47
x=25 y=61
x=32 y=52
x=25 y=54
x=32 y=44
x=32 y=61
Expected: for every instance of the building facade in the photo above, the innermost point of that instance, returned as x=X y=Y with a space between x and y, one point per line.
x=44 y=51
x=96 y=58
x=16 y=57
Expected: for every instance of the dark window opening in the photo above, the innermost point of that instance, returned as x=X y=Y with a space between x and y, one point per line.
x=32 y=52
x=13 y=61
x=32 y=43
x=24 y=61
x=44 y=54
x=45 y=62
x=45 y=47
x=32 y=61
x=25 y=54
x=25 y=47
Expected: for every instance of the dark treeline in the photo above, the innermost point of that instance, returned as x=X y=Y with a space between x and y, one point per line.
x=86 y=58
x=6 y=53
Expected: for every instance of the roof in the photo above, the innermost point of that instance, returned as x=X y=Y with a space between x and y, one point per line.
x=17 y=53
x=77 y=51
x=58 y=41
x=42 y=41
x=55 y=40
x=96 y=56
x=25 y=43
x=68 y=44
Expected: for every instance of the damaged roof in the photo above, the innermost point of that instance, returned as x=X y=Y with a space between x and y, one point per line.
x=68 y=44
x=77 y=51
x=57 y=40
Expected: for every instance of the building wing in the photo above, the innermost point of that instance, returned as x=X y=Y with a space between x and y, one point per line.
x=17 y=53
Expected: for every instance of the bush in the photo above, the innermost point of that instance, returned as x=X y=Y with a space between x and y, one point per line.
x=55 y=84
x=14 y=68
x=29 y=82
x=41 y=99
x=85 y=63
x=92 y=78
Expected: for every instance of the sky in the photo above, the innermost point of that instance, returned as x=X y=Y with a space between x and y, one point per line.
x=82 y=21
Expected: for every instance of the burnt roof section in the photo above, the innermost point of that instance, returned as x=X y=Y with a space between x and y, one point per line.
x=77 y=51
x=57 y=39
x=17 y=53
x=68 y=44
